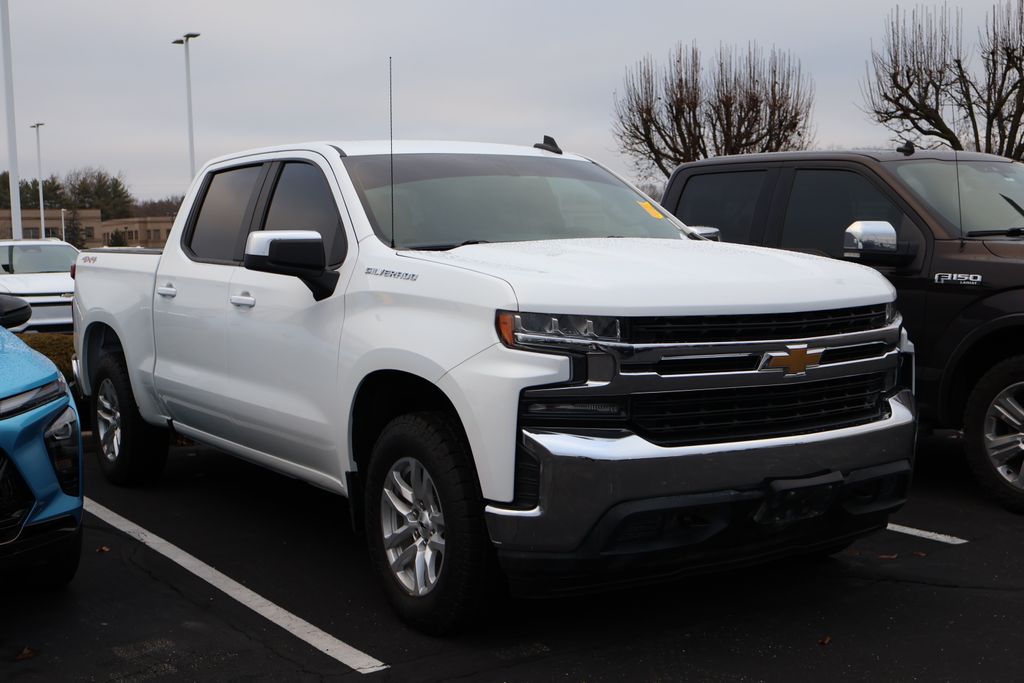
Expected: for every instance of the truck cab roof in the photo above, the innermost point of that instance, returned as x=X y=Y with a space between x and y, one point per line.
x=862 y=156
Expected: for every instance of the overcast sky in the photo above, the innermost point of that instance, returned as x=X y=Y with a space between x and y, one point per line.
x=105 y=78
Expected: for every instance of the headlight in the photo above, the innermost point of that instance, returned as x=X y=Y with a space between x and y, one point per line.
x=890 y=312
x=519 y=330
x=33 y=398
x=62 y=440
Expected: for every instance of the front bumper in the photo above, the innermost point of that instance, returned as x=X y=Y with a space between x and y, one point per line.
x=36 y=514
x=620 y=509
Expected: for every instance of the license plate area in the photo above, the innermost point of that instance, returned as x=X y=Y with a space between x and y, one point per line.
x=792 y=500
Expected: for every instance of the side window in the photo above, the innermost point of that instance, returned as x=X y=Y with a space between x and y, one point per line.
x=302 y=200
x=823 y=203
x=219 y=233
x=726 y=201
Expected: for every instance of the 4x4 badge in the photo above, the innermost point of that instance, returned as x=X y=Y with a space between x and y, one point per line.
x=793 y=361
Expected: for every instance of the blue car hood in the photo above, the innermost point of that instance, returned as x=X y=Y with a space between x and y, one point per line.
x=21 y=368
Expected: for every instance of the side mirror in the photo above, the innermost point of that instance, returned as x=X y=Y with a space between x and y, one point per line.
x=875 y=243
x=299 y=253
x=14 y=312
x=707 y=232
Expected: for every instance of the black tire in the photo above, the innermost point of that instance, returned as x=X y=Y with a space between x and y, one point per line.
x=58 y=565
x=466 y=573
x=998 y=379
x=141 y=449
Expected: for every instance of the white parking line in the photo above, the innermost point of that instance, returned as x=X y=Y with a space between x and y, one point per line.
x=930 y=535
x=300 y=628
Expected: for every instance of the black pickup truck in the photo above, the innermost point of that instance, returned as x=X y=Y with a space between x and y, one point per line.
x=946 y=228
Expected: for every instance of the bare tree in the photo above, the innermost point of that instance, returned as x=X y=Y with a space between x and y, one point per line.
x=921 y=83
x=745 y=103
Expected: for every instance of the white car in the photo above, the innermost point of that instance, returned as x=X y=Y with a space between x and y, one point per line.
x=39 y=271
x=501 y=353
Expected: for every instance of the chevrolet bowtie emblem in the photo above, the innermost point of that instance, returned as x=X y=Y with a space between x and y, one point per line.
x=793 y=361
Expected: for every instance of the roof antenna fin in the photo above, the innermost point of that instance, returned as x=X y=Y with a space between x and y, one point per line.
x=549 y=145
x=906 y=149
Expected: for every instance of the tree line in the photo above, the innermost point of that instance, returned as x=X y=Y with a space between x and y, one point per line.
x=924 y=83
x=87 y=188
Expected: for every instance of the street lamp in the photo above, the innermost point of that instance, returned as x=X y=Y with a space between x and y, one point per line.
x=63 y=233
x=39 y=174
x=12 y=135
x=188 y=100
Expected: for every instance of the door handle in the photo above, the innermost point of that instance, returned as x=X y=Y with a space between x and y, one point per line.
x=243 y=299
x=167 y=290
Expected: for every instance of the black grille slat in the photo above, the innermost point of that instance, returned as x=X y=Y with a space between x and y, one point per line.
x=724 y=328
x=729 y=414
x=741 y=413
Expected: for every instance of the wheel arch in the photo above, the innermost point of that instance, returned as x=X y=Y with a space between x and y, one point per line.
x=981 y=349
x=383 y=395
x=98 y=337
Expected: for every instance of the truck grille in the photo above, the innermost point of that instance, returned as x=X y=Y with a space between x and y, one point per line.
x=15 y=500
x=732 y=328
x=680 y=418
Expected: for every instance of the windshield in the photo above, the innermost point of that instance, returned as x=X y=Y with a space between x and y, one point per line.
x=446 y=200
x=17 y=259
x=990 y=195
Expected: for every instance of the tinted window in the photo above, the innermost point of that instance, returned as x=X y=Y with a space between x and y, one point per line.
x=444 y=200
x=219 y=233
x=303 y=201
x=822 y=204
x=726 y=201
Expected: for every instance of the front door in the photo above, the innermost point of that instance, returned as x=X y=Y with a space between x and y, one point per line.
x=282 y=345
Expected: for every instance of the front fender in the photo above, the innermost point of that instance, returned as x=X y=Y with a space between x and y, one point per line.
x=973 y=324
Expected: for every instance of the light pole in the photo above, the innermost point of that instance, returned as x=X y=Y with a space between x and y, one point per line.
x=39 y=174
x=63 y=234
x=12 y=136
x=188 y=101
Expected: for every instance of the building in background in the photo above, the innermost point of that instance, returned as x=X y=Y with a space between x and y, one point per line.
x=136 y=232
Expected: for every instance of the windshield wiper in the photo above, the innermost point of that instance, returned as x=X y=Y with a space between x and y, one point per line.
x=1008 y=232
x=445 y=247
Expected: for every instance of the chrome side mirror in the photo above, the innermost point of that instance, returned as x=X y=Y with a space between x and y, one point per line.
x=870 y=236
x=875 y=243
x=707 y=232
x=299 y=253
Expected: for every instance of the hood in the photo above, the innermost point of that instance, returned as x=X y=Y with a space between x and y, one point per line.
x=36 y=283
x=616 y=276
x=1008 y=248
x=21 y=368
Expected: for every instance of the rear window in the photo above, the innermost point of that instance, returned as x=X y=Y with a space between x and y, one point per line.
x=726 y=201
x=219 y=233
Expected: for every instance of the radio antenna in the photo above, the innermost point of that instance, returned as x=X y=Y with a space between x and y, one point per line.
x=391 y=154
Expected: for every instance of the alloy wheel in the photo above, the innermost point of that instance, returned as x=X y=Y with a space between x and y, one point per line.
x=412 y=525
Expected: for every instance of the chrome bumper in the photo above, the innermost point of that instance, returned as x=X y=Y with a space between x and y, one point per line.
x=584 y=479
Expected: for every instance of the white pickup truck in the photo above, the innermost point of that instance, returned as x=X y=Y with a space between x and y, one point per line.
x=501 y=353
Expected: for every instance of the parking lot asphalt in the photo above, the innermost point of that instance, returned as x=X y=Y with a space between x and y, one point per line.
x=892 y=607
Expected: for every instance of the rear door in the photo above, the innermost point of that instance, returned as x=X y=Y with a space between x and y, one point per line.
x=284 y=345
x=731 y=197
x=190 y=305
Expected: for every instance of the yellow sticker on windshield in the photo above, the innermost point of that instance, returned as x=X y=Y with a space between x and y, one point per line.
x=649 y=208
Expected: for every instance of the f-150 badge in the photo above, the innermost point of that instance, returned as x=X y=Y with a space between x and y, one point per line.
x=970 y=279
